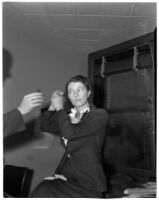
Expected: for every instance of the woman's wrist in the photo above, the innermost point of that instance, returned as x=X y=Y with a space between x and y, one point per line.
x=51 y=108
x=21 y=110
x=59 y=108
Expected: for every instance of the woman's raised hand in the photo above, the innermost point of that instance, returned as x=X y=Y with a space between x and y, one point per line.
x=57 y=100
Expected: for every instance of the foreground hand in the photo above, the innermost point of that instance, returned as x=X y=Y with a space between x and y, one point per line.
x=30 y=102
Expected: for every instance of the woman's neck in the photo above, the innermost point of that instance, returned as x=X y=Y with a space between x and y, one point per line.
x=80 y=108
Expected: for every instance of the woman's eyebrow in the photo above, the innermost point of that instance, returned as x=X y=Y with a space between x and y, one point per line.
x=80 y=87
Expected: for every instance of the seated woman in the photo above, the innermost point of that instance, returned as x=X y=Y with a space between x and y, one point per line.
x=80 y=173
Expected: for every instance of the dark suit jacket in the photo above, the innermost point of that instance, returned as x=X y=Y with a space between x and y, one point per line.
x=12 y=122
x=82 y=160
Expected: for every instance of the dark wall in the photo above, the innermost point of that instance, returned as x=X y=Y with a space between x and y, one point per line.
x=127 y=92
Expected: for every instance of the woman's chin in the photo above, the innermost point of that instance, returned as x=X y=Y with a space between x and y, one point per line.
x=77 y=105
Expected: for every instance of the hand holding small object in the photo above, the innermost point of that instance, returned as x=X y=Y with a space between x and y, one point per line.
x=30 y=101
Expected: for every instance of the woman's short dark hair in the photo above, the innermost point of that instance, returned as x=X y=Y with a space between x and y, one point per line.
x=85 y=81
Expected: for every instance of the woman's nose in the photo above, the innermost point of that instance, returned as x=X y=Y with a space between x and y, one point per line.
x=76 y=93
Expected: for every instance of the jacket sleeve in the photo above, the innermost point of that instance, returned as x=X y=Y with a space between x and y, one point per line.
x=93 y=123
x=49 y=122
x=12 y=122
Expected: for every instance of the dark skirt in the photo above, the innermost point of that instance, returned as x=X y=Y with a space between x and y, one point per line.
x=59 y=188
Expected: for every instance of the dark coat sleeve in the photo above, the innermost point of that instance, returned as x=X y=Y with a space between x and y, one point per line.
x=93 y=123
x=12 y=122
x=49 y=122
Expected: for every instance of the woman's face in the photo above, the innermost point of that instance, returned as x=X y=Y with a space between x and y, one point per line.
x=78 y=93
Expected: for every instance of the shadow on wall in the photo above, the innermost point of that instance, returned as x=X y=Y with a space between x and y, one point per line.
x=7 y=64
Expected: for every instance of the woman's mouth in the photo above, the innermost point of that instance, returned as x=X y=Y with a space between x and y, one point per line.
x=76 y=100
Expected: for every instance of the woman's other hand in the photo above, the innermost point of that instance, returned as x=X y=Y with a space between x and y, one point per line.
x=52 y=106
x=57 y=100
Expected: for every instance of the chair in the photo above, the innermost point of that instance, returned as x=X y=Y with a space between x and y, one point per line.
x=16 y=181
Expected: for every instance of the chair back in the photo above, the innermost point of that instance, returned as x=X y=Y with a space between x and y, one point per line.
x=17 y=181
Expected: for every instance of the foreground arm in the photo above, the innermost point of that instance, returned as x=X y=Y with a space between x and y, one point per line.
x=13 y=121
